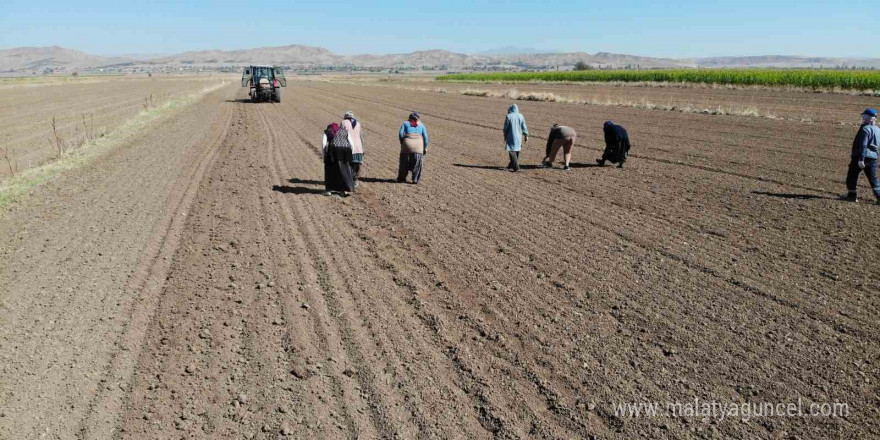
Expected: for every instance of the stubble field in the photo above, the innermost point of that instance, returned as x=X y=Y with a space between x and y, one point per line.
x=195 y=284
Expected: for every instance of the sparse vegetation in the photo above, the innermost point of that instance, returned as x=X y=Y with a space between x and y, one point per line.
x=84 y=133
x=88 y=127
x=814 y=79
x=148 y=103
x=11 y=160
x=59 y=144
x=472 y=92
x=155 y=101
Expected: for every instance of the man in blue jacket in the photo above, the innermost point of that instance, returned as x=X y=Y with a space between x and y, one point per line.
x=515 y=133
x=864 y=156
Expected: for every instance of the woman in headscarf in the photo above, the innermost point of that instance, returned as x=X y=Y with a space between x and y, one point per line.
x=337 y=160
x=560 y=137
x=354 y=128
x=616 y=145
x=515 y=134
x=413 y=148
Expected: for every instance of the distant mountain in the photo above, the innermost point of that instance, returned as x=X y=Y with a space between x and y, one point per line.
x=39 y=58
x=289 y=55
x=313 y=56
x=601 y=59
x=416 y=59
x=511 y=50
x=141 y=56
x=25 y=59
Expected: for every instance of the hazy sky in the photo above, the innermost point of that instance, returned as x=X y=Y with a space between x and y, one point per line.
x=666 y=29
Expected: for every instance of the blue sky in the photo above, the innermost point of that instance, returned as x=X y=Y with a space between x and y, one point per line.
x=680 y=29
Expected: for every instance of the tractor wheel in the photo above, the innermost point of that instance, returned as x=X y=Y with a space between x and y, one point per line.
x=277 y=95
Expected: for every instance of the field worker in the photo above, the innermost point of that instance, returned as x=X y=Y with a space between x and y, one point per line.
x=353 y=127
x=337 y=160
x=616 y=145
x=413 y=148
x=515 y=134
x=864 y=156
x=560 y=136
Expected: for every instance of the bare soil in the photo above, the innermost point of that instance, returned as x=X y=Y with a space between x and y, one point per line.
x=197 y=285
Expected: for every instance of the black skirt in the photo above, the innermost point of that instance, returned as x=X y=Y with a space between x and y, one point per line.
x=338 y=175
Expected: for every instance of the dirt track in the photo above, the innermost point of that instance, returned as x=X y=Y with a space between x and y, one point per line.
x=196 y=285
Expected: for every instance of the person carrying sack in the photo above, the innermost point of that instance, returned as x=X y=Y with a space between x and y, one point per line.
x=413 y=147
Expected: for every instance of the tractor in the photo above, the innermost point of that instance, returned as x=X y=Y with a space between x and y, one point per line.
x=265 y=82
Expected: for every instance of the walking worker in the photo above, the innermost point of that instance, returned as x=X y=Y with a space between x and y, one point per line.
x=560 y=137
x=864 y=157
x=515 y=134
x=413 y=148
x=616 y=145
x=337 y=160
x=353 y=127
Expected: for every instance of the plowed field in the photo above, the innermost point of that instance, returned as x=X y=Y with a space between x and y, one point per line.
x=196 y=284
x=89 y=107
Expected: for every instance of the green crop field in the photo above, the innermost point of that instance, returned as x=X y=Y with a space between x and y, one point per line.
x=816 y=79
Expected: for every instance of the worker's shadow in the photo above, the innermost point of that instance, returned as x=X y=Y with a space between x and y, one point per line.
x=586 y=165
x=306 y=181
x=376 y=180
x=790 y=196
x=300 y=189
x=496 y=168
x=284 y=189
x=239 y=100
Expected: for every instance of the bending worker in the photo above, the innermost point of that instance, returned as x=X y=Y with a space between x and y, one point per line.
x=616 y=145
x=560 y=136
x=864 y=157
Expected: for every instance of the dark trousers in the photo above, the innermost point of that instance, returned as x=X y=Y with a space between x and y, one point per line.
x=852 y=177
x=514 y=160
x=410 y=162
x=355 y=170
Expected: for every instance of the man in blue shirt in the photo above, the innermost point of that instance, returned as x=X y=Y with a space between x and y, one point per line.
x=864 y=156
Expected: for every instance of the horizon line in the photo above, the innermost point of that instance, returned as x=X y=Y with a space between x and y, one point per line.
x=479 y=53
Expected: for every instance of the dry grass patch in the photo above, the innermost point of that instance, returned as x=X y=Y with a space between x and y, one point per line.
x=641 y=104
